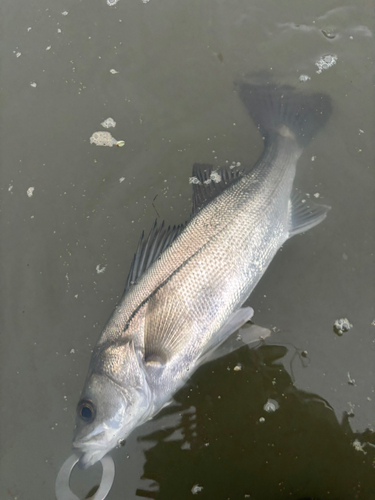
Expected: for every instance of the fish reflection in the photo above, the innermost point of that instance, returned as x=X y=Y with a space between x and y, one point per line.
x=227 y=444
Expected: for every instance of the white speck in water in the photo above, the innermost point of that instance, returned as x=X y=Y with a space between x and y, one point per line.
x=76 y=296
x=196 y=488
x=33 y=84
x=360 y=131
x=10 y=188
x=145 y=1
x=30 y=191
x=121 y=179
x=262 y=420
x=313 y=158
x=49 y=47
x=113 y=71
x=326 y=62
x=99 y=269
x=351 y=380
x=65 y=13
x=342 y=325
x=29 y=28
x=58 y=30
x=304 y=78
x=344 y=256
x=103 y=139
x=111 y=2
x=373 y=322
x=238 y=367
x=72 y=351
x=207 y=181
x=271 y=406
x=18 y=54
x=194 y=180
x=316 y=195
x=215 y=176
x=120 y=144
x=108 y=123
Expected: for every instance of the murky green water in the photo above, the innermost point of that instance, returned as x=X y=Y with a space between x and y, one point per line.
x=66 y=249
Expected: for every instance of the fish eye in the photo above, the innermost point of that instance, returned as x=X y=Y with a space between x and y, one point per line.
x=86 y=410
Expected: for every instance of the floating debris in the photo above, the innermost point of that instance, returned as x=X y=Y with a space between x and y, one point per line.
x=120 y=144
x=72 y=351
x=196 y=488
x=326 y=62
x=358 y=446
x=121 y=179
x=373 y=322
x=316 y=195
x=32 y=84
x=65 y=13
x=304 y=78
x=49 y=47
x=108 y=123
x=99 y=269
x=113 y=71
x=111 y=2
x=351 y=380
x=238 y=367
x=271 y=406
x=103 y=139
x=329 y=34
x=262 y=420
x=30 y=191
x=341 y=326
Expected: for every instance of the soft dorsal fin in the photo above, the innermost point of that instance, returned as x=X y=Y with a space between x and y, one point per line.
x=208 y=183
x=304 y=216
x=149 y=249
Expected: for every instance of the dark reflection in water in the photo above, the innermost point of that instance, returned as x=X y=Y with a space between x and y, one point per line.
x=230 y=446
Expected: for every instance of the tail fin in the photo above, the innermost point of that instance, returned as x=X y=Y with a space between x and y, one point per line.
x=275 y=107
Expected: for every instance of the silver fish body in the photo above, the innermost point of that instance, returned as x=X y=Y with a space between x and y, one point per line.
x=180 y=306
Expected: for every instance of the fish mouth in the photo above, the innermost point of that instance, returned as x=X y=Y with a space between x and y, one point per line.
x=89 y=457
x=90 y=451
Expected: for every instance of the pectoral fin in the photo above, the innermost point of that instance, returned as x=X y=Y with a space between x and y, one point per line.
x=304 y=216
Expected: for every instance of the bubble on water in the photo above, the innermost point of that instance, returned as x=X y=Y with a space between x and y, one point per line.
x=326 y=62
x=113 y=71
x=196 y=488
x=111 y=2
x=194 y=180
x=215 y=176
x=238 y=367
x=32 y=84
x=103 y=139
x=30 y=191
x=18 y=54
x=262 y=420
x=271 y=406
x=49 y=47
x=65 y=13
x=304 y=78
x=341 y=326
x=109 y=122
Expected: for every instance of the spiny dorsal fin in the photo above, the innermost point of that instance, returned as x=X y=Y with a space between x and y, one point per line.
x=149 y=249
x=208 y=183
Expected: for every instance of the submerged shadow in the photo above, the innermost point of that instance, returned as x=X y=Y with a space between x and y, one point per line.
x=223 y=444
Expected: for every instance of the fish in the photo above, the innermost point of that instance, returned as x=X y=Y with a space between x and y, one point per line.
x=188 y=284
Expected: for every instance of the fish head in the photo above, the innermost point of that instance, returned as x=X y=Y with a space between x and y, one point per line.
x=116 y=398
